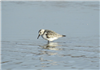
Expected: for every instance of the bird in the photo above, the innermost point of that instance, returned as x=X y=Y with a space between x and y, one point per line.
x=49 y=35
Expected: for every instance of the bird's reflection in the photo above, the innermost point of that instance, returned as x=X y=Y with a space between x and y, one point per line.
x=51 y=46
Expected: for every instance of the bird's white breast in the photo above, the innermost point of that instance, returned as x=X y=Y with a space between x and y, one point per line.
x=50 y=39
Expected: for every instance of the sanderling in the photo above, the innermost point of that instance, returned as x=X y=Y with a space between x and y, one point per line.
x=49 y=35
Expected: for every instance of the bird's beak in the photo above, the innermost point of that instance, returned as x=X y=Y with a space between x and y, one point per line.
x=38 y=36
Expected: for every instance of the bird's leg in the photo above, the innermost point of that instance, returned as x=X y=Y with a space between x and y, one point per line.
x=48 y=42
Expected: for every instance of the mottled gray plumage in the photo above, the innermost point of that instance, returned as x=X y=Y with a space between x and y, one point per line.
x=51 y=34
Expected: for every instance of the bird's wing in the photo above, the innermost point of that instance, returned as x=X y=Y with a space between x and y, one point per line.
x=51 y=34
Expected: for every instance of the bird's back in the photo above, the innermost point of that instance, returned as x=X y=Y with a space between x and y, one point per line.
x=52 y=34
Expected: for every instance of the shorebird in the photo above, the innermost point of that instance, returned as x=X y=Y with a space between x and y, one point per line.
x=49 y=35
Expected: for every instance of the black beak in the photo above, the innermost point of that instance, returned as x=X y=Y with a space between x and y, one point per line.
x=38 y=36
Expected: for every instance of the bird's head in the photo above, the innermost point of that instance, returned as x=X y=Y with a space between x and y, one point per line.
x=41 y=31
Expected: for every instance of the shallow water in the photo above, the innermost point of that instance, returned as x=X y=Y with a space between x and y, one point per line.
x=21 y=50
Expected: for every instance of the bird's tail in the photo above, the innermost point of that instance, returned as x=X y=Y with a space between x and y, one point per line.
x=63 y=35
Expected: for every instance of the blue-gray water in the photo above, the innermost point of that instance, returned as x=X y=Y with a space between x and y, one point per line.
x=79 y=21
